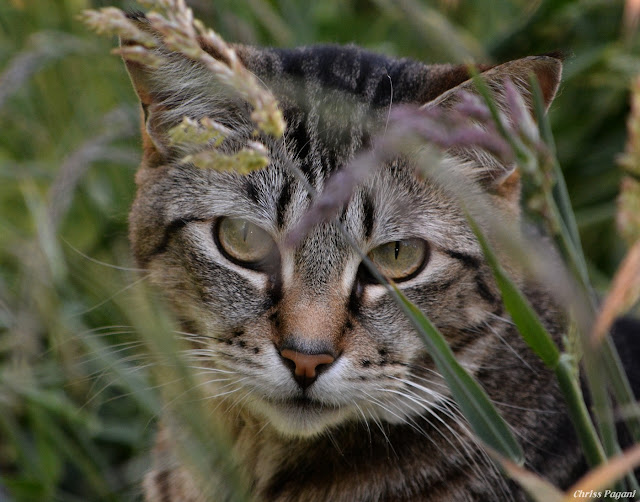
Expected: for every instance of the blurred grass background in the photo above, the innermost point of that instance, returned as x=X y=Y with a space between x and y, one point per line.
x=70 y=430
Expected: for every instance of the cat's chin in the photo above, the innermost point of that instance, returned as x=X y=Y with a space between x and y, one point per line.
x=301 y=417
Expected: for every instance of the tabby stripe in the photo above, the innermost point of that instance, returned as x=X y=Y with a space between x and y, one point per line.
x=467 y=260
x=463 y=337
x=170 y=230
x=283 y=201
x=252 y=191
x=298 y=136
x=484 y=291
x=368 y=212
x=164 y=489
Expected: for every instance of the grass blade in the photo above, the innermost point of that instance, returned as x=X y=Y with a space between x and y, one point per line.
x=560 y=192
x=523 y=315
x=540 y=341
x=578 y=412
x=476 y=406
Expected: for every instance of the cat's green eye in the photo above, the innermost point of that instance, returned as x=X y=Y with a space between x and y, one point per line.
x=400 y=260
x=243 y=242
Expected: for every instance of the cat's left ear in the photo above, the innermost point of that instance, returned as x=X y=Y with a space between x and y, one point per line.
x=499 y=179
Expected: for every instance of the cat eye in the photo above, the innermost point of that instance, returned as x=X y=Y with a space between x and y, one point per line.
x=243 y=242
x=400 y=260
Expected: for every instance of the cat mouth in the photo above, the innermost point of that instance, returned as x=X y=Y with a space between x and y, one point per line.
x=304 y=402
x=300 y=416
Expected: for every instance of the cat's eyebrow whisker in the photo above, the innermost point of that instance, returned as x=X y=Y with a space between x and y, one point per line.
x=386 y=124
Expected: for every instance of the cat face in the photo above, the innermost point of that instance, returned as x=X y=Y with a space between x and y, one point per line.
x=302 y=336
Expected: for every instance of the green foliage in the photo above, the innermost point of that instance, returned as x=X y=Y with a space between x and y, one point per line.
x=76 y=403
x=476 y=406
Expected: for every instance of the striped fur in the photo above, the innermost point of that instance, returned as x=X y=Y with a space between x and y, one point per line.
x=379 y=423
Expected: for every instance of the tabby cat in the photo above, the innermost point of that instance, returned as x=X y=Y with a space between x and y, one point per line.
x=329 y=394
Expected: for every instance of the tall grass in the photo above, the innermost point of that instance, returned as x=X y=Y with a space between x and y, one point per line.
x=77 y=401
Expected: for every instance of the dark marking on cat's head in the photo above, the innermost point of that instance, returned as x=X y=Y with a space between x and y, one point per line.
x=282 y=203
x=484 y=291
x=253 y=192
x=466 y=259
x=160 y=246
x=355 y=297
x=368 y=210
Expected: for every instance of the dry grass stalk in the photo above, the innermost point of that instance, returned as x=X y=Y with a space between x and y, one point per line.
x=180 y=32
x=628 y=217
x=624 y=293
x=183 y=33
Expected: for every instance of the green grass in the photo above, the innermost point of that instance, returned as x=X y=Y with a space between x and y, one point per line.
x=76 y=419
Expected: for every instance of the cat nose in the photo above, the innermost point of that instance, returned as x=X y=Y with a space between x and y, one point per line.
x=305 y=366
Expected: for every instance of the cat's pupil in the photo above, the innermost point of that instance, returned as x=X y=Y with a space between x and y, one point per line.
x=397 y=249
x=245 y=231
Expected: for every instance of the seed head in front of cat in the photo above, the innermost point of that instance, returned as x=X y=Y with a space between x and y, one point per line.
x=318 y=377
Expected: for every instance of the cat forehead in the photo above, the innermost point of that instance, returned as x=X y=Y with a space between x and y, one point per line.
x=353 y=70
x=394 y=203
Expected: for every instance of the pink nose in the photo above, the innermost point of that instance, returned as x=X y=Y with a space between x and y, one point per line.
x=305 y=365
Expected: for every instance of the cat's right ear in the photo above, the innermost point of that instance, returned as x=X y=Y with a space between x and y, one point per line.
x=178 y=87
x=500 y=179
